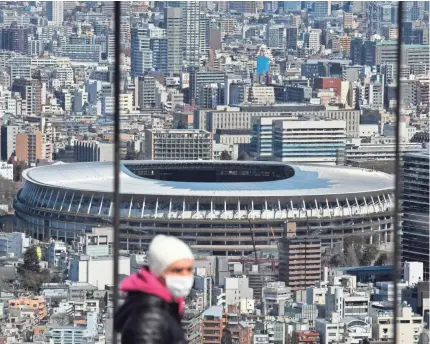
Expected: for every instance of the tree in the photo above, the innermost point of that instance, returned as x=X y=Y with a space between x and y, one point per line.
x=382 y=260
x=369 y=254
x=7 y=191
x=31 y=261
x=243 y=156
x=225 y=156
x=31 y=277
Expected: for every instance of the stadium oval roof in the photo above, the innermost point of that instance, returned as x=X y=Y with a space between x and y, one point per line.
x=308 y=180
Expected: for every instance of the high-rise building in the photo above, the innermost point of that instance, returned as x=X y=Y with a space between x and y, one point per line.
x=178 y=144
x=415 y=205
x=8 y=141
x=29 y=147
x=321 y=9
x=146 y=92
x=30 y=91
x=299 y=259
x=313 y=40
x=291 y=38
x=173 y=21
x=289 y=6
x=159 y=48
x=414 y=10
x=191 y=33
x=308 y=141
x=204 y=27
x=275 y=36
x=356 y=52
x=245 y=6
x=198 y=78
x=141 y=54
x=15 y=38
x=55 y=11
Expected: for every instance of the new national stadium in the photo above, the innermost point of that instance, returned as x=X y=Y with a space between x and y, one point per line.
x=212 y=205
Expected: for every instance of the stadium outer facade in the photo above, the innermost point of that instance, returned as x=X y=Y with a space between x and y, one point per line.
x=209 y=204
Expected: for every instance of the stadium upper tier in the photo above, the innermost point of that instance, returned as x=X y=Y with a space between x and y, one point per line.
x=199 y=196
x=213 y=179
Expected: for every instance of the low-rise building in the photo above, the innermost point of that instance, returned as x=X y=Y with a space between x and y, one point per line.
x=409 y=326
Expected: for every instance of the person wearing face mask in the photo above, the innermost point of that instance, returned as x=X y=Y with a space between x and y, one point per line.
x=151 y=313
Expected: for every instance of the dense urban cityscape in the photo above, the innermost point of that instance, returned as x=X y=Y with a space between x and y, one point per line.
x=261 y=133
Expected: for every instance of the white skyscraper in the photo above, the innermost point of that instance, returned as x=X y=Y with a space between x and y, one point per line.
x=191 y=32
x=173 y=18
x=55 y=11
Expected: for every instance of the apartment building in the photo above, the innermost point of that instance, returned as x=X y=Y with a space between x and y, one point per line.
x=306 y=337
x=299 y=260
x=36 y=303
x=346 y=304
x=212 y=325
x=29 y=147
x=172 y=144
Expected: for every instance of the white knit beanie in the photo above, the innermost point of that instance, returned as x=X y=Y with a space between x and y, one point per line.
x=165 y=250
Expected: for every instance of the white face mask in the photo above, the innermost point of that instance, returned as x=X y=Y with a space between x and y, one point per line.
x=179 y=286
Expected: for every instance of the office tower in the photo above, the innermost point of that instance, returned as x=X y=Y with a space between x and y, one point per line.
x=181 y=144
x=321 y=9
x=414 y=34
x=15 y=38
x=308 y=141
x=198 y=78
x=29 y=147
x=191 y=33
x=369 y=53
x=55 y=11
x=87 y=52
x=356 y=52
x=8 y=141
x=415 y=208
x=173 y=21
x=251 y=7
x=299 y=259
x=289 y=6
x=291 y=38
x=417 y=57
x=413 y=10
x=147 y=92
x=275 y=36
x=159 y=48
x=141 y=54
x=210 y=96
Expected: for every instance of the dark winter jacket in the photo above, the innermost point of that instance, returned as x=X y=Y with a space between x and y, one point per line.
x=149 y=314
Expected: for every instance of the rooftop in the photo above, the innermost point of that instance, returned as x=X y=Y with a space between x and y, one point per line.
x=193 y=179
